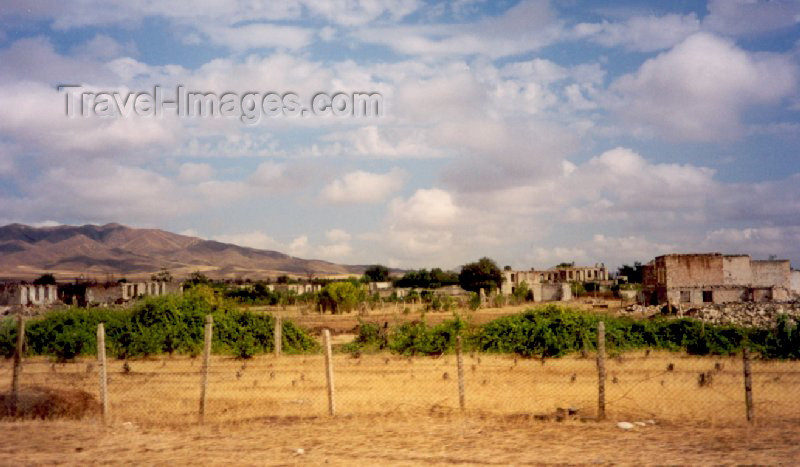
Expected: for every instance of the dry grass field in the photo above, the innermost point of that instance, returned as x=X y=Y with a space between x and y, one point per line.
x=399 y=410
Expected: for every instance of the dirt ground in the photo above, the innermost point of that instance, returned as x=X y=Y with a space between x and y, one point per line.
x=396 y=440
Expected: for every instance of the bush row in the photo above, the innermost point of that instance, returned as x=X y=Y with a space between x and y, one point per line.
x=554 y=331
x=169 y=324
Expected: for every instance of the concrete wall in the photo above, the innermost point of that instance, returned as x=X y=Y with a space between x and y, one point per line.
x=736 y=270
x=692 y=270
x=771 y=273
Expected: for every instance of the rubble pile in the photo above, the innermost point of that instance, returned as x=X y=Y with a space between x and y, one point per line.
x=760 y=315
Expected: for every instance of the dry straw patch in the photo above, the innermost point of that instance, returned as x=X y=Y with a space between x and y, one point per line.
x=165 y=391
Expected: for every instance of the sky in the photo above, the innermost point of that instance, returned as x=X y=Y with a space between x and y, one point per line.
x=532 y=132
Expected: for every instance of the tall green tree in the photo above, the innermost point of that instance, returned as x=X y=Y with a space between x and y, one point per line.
x=341 y=296
x=634 y=273
x=45 y=279
x=482 y=274
x=377 y=273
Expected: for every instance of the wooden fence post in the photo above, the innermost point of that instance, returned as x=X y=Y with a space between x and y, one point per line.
x=102 y=369
x=601 y=370
x=460 y=365
x=206 y=362
x=278 y=336
x=748 y=384
x=17 y=363
x=326 y=334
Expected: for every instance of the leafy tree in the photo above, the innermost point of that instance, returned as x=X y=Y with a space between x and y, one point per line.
x=565 y=265
x=522 y=291
x=198 y=278
x=424 y=279
x=377 y=273
x=483 y=274
x=635 y=273
x=341 y=296
x=45 y=279
x=162 y=276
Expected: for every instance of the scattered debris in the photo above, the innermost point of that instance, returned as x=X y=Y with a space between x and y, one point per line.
x=625 y=425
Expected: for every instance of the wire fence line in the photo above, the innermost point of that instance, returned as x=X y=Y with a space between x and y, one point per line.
x=639 y=386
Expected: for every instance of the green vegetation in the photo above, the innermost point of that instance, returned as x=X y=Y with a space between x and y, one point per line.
x=483 y=274
x=424 y=279
x=342 y=296
x=174 y=324
x=635 y=273
x=377 y=273
x=168 y=324
x=554 y=331
x=45 y=279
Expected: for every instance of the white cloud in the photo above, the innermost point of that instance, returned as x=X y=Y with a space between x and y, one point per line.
x=253 y=239
x=191 y=172
x=39 y=120
x=699 y=90
x=385 y=142
x=641 y=33
x=761 y=242
x=299 y=247
x=526 y=26
x=426 y=208
x=254 y=36
x=750 y=17
x=103 y=47
x=364 y=187
x=355 y=13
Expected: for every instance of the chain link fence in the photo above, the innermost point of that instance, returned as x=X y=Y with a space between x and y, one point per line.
x=639 y=387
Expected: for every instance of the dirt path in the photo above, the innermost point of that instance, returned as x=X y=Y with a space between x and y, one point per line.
x=396 y=440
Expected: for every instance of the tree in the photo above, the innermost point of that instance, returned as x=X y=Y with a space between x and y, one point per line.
x=522 y=291
x=162 y=276
x=635 y=273
x=565 y=265
x=483 y=274
x=377 y=273
x=198 y=278
x=341 y=296
x=45 y=279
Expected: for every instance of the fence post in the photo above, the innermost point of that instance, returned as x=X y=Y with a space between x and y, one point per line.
x=460 y=364
x=102 y=369
x=17 y=363
x=748 y=384
x=206 y=361
x=278 y=336
x=326 y=334
x=601 y=370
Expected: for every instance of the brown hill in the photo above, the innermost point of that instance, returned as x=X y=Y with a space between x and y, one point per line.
x=116 y=250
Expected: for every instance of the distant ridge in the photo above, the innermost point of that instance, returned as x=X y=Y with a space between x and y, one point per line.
x=100 y=251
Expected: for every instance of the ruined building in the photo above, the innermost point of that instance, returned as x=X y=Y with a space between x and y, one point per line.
x=82 y=293
x=552 y=284
x=28 y=295
x=715 y=278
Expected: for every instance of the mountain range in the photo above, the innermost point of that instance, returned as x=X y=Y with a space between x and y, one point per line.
x=113 y=251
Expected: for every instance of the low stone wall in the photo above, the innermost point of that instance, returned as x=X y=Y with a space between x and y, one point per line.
x=762 y=315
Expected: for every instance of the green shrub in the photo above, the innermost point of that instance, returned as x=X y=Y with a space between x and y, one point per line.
x=418 y=338
x=168 y=324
